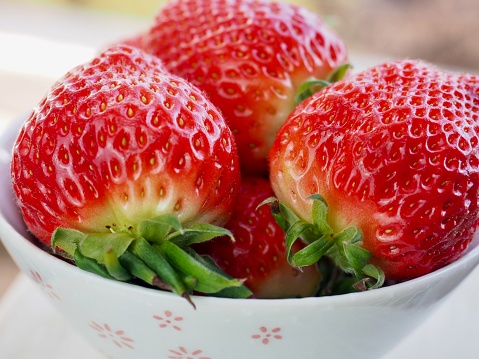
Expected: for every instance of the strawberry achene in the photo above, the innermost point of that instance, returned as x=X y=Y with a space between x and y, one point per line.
x=393 y=151
x=250 y=57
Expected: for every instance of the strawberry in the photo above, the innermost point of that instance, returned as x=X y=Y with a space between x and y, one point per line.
x=120 y=157
x=258 y=252
x=250 y=57
x=382 y=170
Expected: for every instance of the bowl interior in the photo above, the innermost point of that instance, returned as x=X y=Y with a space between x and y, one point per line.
x=372 y=322
x=11 y=214
x=8 y=206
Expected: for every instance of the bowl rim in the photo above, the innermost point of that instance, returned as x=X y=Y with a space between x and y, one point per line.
x=392 y=291
x=342 y=299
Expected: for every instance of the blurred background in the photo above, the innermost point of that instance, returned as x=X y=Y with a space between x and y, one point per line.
x=441 y=31
x=42 y=39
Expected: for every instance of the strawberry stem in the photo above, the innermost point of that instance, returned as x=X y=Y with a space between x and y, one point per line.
x=344 y=248
x=157 y=252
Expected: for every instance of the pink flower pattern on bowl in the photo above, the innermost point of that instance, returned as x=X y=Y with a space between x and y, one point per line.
x=182 y=353
x=267 y=335
x=168 y=320
x=116 y=336
x=45 y=286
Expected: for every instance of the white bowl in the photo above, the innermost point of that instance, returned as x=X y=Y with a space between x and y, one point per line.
x=124 y=321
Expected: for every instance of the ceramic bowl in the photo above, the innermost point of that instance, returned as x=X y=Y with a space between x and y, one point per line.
x=125 y=321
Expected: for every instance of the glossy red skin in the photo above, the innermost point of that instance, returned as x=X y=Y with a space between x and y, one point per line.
x=118 y=140
x=394 y=151
x=249 y=57
x=258 y=253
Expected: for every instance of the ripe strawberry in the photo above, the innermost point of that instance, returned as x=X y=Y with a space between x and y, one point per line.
x=118 y=150
x=250 y=57
x=258 y=252
x=393 y=152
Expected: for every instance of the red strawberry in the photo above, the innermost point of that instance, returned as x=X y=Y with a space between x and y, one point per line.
x=258 y=252
x=250 y=57
x=393 y=151
x=120 y=149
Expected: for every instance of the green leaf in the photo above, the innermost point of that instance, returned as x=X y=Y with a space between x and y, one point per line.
x=322 y=244
x=269 y=201
x=90 y=265
x=158 y=263
x=280 y=219
x=293 y=234
x=96 y=245
x=288 y=214
x=309 y=88
x=231 y=292
x=67 y=240
x=198 y=233
x=281 y=213
x=356 y=258
x=274 y=204
x=320 y=215
x=139 y=269
x=351 y=235
x=334 y=280
x=114 y=268
x=313 y=252
x=348 y=242
x=156 y=229
x=376 y=273
x=338 y=73
x=209 y=281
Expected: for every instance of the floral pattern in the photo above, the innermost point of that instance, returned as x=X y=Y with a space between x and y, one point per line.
x=116 y=336
x=168 y=320
x=182 y=353
x=266 y=335
x=46 y=287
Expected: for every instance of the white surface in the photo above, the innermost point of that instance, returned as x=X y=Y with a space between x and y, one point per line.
x=29 y=326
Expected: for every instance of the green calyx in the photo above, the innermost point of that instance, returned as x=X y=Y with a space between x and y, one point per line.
x=313 y=85
x=157 y=253
x=342 y=250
